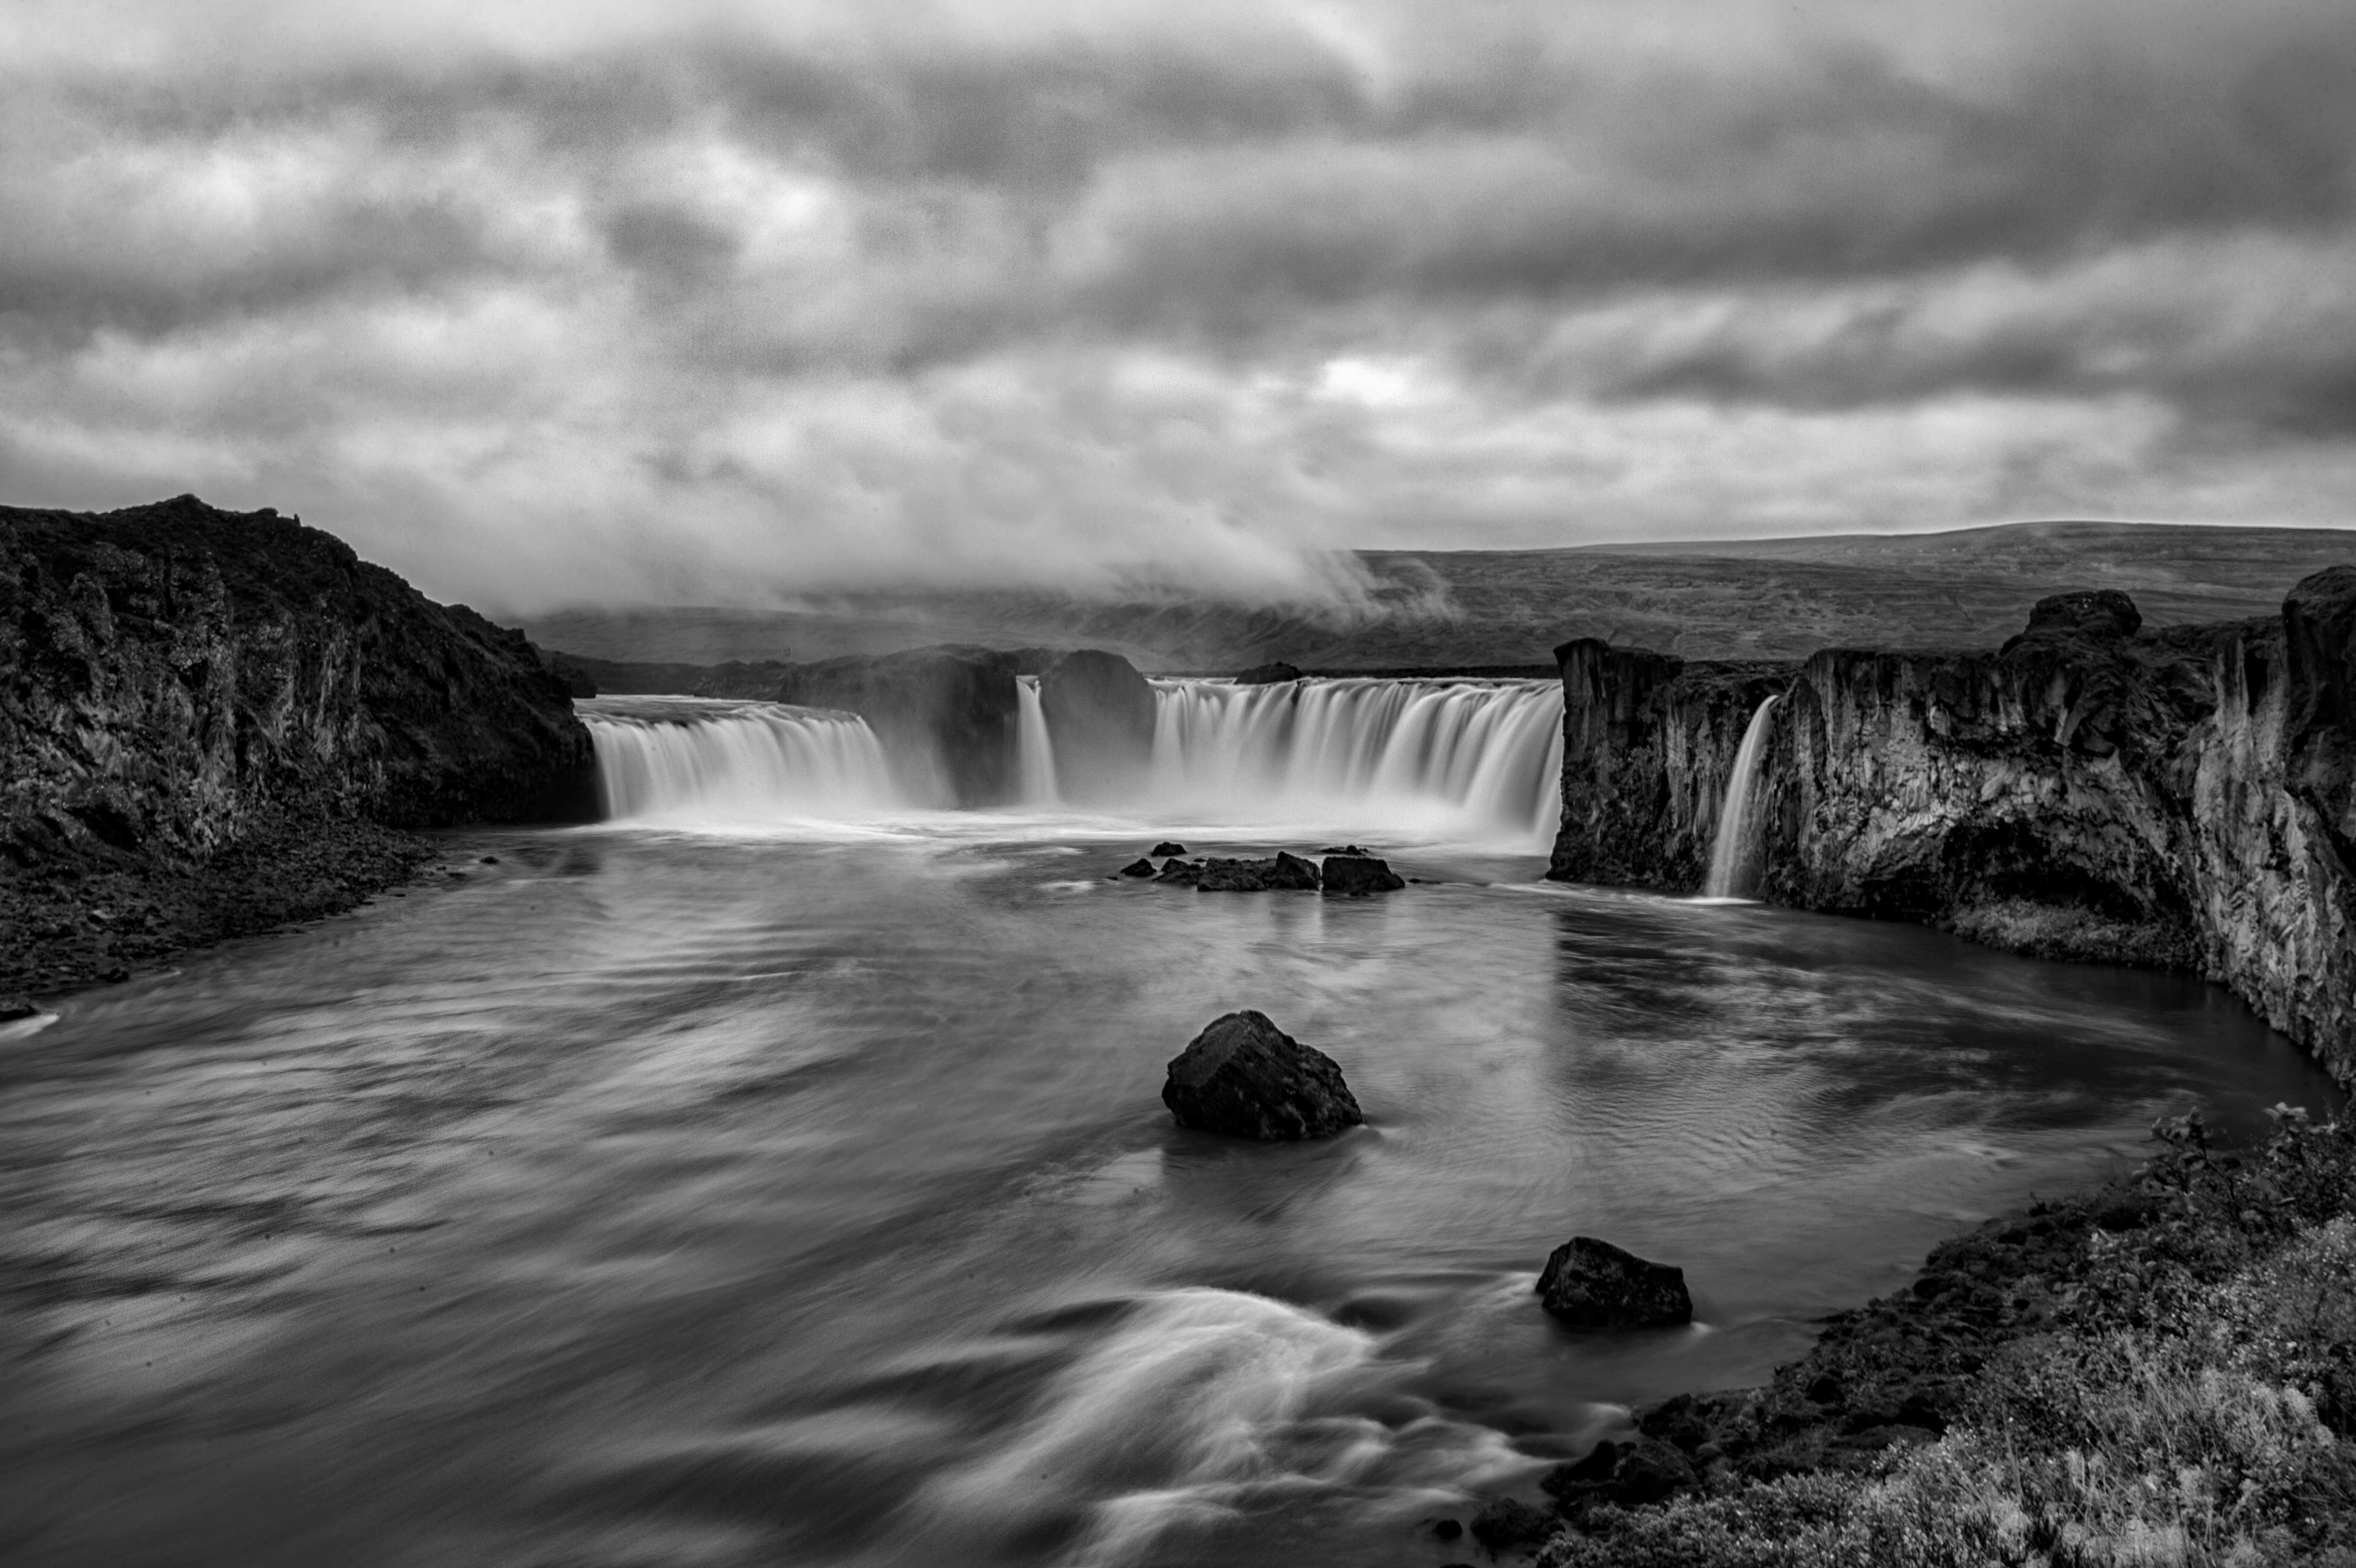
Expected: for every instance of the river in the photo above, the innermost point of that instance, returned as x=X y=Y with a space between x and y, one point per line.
x=675 y=1192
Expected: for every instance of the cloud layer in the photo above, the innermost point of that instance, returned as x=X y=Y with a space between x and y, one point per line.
x=540 y=304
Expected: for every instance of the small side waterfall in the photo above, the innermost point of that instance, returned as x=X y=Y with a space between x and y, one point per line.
x=688 y=759
x=1461 y=760
x=1034 y=752
x=1734 y=853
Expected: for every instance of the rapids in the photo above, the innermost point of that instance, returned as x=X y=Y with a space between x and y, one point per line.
x=752 y=1181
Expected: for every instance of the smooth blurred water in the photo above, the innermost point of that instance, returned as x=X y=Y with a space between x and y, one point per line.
x=673 y=1198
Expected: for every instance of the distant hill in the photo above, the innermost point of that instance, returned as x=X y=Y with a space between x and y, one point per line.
x=1747 y=598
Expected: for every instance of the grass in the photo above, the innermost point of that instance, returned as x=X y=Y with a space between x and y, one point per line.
x=2192 y=1402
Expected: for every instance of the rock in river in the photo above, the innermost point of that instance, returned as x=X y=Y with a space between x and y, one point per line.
x=1138 y=868
x=1360 y=874
x=1593 y=1284
x=1247 y=1077
x=1284 y=874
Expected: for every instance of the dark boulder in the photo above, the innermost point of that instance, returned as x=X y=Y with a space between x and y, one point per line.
x=1138 y=868
x=1285 y=873
x=1359 y=874
x=1245 y=1077
x=1184 y=873
x=1100 y=713
x=1591 y=1284
x=15 y=1008
x=1167 y=847
x=1268 y=674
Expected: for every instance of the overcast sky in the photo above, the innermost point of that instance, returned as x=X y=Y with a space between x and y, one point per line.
x=600 y=300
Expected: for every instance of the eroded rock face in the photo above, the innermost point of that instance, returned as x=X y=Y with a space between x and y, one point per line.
x=1099 y=714
x=1359 y=874
x=2183 y=798
x=1247 y=1078
x=174 y=675
x=945 y=716
x=1591 y=1284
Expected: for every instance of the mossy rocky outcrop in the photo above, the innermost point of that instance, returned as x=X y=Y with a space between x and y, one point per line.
x=2183 y=798
x=172 y=674
x=179 y=683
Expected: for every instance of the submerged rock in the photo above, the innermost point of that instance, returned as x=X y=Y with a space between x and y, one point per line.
x=1138 y=868
x=1168 y=848
x=1285 y=873
x=1591 y=1284
x=1360 y=874
x=1245 y=1077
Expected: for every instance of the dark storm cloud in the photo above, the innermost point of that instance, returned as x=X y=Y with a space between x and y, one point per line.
x=1113 y=291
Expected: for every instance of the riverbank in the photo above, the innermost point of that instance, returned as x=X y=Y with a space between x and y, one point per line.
x=68 y=924
x=2160 y=1371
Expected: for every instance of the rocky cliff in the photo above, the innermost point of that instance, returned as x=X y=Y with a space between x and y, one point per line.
x=177 y=681
x=1099 y=714
x=945 y=716
x=2183 y=798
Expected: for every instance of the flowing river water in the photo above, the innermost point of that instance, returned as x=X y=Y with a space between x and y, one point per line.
x=738 y=1184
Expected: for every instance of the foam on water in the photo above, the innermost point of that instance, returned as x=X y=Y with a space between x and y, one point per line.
x=1205 y=1404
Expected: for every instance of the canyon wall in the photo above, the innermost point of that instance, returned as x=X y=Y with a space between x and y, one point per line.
x=2183 y=799
x=174 y=677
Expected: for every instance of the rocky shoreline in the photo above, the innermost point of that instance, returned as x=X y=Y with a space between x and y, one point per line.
x=220 y=722
x=2162 y=1368
x=69 y=927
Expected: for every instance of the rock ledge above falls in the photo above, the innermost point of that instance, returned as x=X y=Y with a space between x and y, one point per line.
x=2183 y=798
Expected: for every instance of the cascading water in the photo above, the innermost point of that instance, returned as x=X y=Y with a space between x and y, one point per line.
x=1035 y=753
x=687 y=759
x=1470 y=760
x=1733 y=855
x=1464 y=762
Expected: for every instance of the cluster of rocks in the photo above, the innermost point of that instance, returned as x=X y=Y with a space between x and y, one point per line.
x=1347 y=872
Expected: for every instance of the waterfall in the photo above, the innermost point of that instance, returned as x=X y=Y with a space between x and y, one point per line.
x=1733 y=855
x=688 y=759
x=1035 y=753
x=1475 y=763
x=1470 y=760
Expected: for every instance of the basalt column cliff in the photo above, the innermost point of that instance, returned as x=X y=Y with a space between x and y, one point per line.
x=2183 y=798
